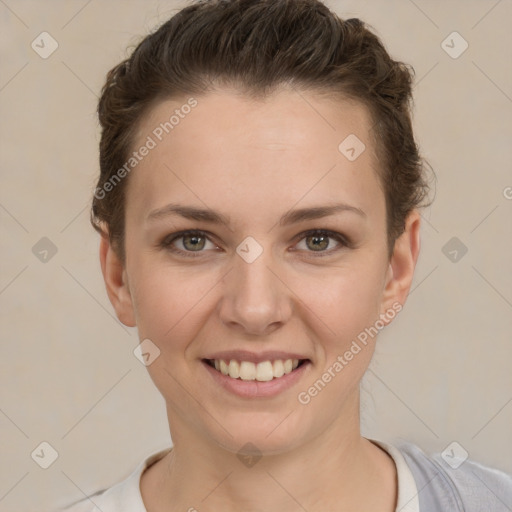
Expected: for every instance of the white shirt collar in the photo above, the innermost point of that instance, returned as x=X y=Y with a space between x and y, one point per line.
x=407 y=490
x=126 y=495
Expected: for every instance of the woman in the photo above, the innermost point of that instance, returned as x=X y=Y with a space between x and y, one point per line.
x=258 y=207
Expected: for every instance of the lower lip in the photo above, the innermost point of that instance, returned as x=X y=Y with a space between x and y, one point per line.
x=254 y=388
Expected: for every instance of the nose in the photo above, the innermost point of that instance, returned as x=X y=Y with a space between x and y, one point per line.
x=255 y=299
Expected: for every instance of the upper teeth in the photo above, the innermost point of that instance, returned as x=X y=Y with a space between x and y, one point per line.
x=264 y=371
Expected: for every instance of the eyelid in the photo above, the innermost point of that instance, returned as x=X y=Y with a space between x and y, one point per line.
x=343 y=240
x=167 y=242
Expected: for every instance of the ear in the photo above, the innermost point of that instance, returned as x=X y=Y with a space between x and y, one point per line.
x=401 y=267
x=116 y=282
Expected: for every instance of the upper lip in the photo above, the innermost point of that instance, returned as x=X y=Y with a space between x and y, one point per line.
x=245 y=355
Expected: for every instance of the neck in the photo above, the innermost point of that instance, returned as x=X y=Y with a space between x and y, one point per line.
x=337 y=470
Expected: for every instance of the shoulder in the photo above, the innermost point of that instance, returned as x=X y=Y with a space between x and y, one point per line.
x=93 y=503
x=124 y=496
x=449 y=481
x=120 y=497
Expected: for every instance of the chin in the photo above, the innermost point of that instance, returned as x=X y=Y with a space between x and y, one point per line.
x=262 y=434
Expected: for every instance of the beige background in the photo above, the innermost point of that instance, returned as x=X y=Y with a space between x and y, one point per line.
x=442 y=370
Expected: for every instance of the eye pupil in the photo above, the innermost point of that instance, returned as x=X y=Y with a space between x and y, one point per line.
x=320 y=242
x=196 y=241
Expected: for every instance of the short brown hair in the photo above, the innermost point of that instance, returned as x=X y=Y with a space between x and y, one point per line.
x=256 y=46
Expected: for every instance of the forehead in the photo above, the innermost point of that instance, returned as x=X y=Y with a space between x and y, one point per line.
x=234 y=153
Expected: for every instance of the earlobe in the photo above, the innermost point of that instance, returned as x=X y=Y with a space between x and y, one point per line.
x=402 y=264
x=116 y=283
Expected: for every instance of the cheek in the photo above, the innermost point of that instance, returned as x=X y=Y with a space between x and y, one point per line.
x=350 y=309
x=169 y=301
x=346 y=299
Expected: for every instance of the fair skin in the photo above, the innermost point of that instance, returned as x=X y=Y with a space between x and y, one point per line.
x=253 y=162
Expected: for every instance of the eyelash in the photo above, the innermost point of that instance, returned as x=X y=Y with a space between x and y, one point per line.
x=341 y=239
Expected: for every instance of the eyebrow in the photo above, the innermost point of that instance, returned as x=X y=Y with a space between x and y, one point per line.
x=291 y=217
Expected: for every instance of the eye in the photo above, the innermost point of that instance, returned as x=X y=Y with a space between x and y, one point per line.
x=194 y=243
x=188 y=242
x=319 y=240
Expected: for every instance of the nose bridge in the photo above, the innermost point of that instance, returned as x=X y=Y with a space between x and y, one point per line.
x=254 y=297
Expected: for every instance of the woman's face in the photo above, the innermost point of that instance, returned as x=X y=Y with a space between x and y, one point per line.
x=254 y=286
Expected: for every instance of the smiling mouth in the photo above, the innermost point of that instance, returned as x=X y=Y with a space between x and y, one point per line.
x=262 y=372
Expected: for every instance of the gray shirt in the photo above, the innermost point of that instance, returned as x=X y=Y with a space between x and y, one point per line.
x=468 y=487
